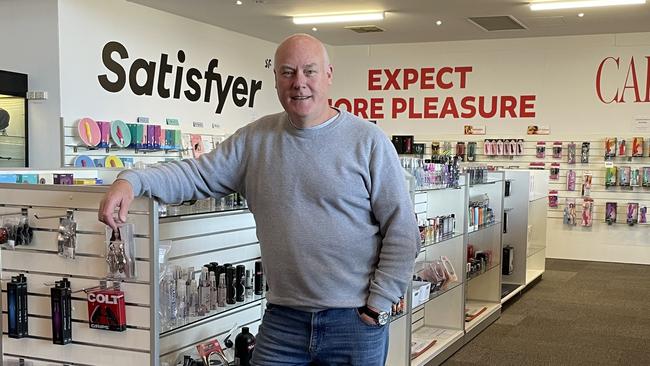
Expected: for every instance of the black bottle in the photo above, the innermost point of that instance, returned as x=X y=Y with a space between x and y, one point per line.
x=259 y=278
x=230 y=285
x=244 y=345
x=239 y=282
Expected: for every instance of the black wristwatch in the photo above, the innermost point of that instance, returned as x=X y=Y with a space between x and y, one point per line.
x=381 y=318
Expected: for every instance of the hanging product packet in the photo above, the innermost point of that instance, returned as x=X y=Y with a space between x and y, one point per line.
x=557 y=150
x=120 y=252
x=540 y=150
x=571 y=153
x=571 y=180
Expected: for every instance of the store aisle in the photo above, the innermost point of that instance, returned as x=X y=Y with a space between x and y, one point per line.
x=580 y=313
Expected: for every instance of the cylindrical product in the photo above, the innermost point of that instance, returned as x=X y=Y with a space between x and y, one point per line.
x=244 y=345
x=213 y=291
x=249 y=284
x=240 y=286
x=231 y=290
x=221 y=291
x=259 y=278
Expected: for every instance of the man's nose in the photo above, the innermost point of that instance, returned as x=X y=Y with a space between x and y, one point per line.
x=299 y=80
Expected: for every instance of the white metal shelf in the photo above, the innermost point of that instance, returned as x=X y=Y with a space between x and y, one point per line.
x=444 y=339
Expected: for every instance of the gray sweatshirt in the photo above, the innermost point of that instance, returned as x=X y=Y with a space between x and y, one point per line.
x=334 y=219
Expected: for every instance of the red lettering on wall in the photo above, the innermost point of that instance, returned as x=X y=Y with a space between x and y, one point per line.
x=527 y=106
x=374 y=78
x=430 y=105
x=376 y=108
x=467 y=104
x=599 y=75
x=398 y=105
x=463 y=71
x=508 y=105
x=412 y=113
x=439 y=78
x=635 y=83
x=449 y=107
x=410 y=77
x=426 y=78
x=392 y=79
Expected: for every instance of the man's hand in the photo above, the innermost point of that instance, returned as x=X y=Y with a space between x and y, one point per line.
x=119 y=195
x=367 y=319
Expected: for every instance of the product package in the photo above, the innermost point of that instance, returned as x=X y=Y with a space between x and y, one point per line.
x=555 y=171
x=637 y=147
x=500 y=148
x=460 y=150
x=584 y=153
x=646 y=177
x=643 y=210
x=67 y=236
x=471 y=151
x=610 y=212
x=635 y=178
x=571 y=180
x=15 y=230
x=435 y=148
x=61 y=305
x=552 y=198
x=106 y=308
x=610 y=176
x=624 y=176
x=540 y=165
x=570 y=212
x=557 y=150
x=586 y=184
x=105 y=133
x=610 y=147
x=17 y=325
x=520 y=147
x=120 y=252
x=587 y=212
x=571 y=153
x=540 y=150
x=622 y=148
x=632 y=213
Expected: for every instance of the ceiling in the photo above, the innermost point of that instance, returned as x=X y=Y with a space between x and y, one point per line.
x=406 y=20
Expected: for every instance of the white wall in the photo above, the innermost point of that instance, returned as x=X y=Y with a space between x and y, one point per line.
x=30 y=45
x=560 y=71
x=86 y=26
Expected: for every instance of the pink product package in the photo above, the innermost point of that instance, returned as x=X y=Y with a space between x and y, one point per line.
x=571 y=180
x=540 y=150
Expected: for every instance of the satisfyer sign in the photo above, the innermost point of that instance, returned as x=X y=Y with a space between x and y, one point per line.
x=173 y=80
x=628 y=86
x=434 y=80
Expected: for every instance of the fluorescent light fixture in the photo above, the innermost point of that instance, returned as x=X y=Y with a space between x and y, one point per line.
x=581 y=4
x=338 y=18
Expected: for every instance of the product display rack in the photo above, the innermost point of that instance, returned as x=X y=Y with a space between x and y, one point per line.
x=525 y=230
x=196 y=238
x=483 y=290
x=441 y=316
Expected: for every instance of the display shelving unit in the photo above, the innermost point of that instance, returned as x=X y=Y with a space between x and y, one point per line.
x=483 y=290
x=196 y=236
x=525 y=231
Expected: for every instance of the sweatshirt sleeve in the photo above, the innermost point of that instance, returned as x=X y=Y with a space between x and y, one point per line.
x=217 y=173
x=392 y=208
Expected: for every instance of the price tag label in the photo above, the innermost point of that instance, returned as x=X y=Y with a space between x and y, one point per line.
x=197 y=124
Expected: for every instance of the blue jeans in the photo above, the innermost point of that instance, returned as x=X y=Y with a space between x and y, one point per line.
x=328 y=337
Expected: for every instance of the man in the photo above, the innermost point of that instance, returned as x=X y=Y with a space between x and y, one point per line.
x=336 y=227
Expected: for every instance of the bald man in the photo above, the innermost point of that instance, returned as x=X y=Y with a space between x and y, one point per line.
x=334 y=220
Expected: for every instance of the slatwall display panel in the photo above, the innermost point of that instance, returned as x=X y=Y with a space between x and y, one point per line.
x=601 y=242
x=39 y=305
x=42 y=265
x=72 y=354
x=174 y=342
x=136 y=293
x=73 y=147
x=200 y=225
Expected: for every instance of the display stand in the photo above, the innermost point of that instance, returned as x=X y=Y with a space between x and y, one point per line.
x=196 y=238
x=483 y=291
x=525 y=229
x=437 y=324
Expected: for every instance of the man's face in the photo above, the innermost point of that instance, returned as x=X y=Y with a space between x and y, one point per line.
x=302 y=80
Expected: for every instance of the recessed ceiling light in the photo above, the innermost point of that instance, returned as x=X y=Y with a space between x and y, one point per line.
x=581 y=15
x=238 y=2
x=581 y=4
x=337 y=18
x=438 y=22
x=314 y=29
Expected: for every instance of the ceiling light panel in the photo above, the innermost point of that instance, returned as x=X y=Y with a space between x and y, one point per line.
x=338 y=18
x=556 y=5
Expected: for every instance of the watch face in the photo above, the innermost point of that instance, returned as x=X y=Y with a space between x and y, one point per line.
x=382 y=319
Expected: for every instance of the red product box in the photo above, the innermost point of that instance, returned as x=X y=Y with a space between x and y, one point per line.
x=107 y=310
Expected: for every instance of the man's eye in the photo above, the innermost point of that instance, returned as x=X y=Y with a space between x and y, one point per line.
x=310 y=72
